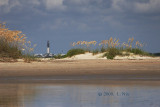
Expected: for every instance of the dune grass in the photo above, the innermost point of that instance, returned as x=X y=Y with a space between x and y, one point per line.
x=8 y=50
x=59 y=56
x=138 y=51
x=77 y=51
x=13 y=45
x=95 y=51
x=110 y=47
x=112 y=52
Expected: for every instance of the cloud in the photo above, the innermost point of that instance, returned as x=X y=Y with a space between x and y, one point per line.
x=34 y=2
x=79 y=2
x=54 y=4
x=136 y=6
x=7 y=5
x=151 y=7
x=118 y=4
x=86 y=6
x=3 y=2
x=82 y=14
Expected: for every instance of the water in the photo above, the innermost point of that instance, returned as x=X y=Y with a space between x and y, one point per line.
x=102 y=94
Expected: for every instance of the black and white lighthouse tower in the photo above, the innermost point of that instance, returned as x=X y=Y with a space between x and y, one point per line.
x=48 y=49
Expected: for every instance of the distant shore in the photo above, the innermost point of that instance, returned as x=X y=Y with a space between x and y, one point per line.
x=126 y=68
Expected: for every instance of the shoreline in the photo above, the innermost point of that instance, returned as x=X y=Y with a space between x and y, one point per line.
x=81 y=67
x=84 y=82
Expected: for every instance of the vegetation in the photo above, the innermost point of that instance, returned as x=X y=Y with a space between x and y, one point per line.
x=103 y=49
x=13 y=45
x=95 y=51
x=77 y=51
x=112 y=52
x=8 y=50
x=138 y=51
x=110 y=47
x=155 y=54
x=59 y=56
x=29 y=58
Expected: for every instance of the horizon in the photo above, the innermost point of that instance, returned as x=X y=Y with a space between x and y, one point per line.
x=65 y=21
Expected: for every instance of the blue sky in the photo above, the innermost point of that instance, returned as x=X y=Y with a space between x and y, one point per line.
x=66 y=21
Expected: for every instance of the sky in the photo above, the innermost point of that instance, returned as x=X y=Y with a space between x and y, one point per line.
x=65 y=21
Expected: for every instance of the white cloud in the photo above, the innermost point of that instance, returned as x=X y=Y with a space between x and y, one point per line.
x=8 y=5
x=4 y=2
x=86 y=6
x=136 y=6
x=54 y=4
x=151 y=6
x=117 y=4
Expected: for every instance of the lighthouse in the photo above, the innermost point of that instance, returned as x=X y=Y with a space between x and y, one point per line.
x=48 y=50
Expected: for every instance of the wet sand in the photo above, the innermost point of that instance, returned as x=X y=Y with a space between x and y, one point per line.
x=81 y=70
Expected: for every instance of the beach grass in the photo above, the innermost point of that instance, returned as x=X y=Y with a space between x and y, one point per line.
x=59 y=56
x=8 y=50
x=112 y=52
x=77 y=51
x=13 y=45
x=95 y=51
x=110 y=48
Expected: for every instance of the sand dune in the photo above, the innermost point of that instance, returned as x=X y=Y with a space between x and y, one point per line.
x=88 y=55
x=131 y=56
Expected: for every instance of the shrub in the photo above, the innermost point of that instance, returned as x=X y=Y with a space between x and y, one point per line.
x=103 y=49
x=155 y=54
x=138 y=51
x=9 y=50
x=13 y=44
x=111 y=53
x=113 y=47
x=59 y=56
x=96 y=51
x=73 y=52
x=28 y=58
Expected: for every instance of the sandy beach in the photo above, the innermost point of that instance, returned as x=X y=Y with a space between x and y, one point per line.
x=81 y=67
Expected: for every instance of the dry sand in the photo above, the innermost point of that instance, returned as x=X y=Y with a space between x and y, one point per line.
x=81 y=67
x=87 y=55
x=130 y=56
x=81 y=71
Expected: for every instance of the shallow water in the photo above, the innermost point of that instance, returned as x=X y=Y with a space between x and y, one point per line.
x=80 y=95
